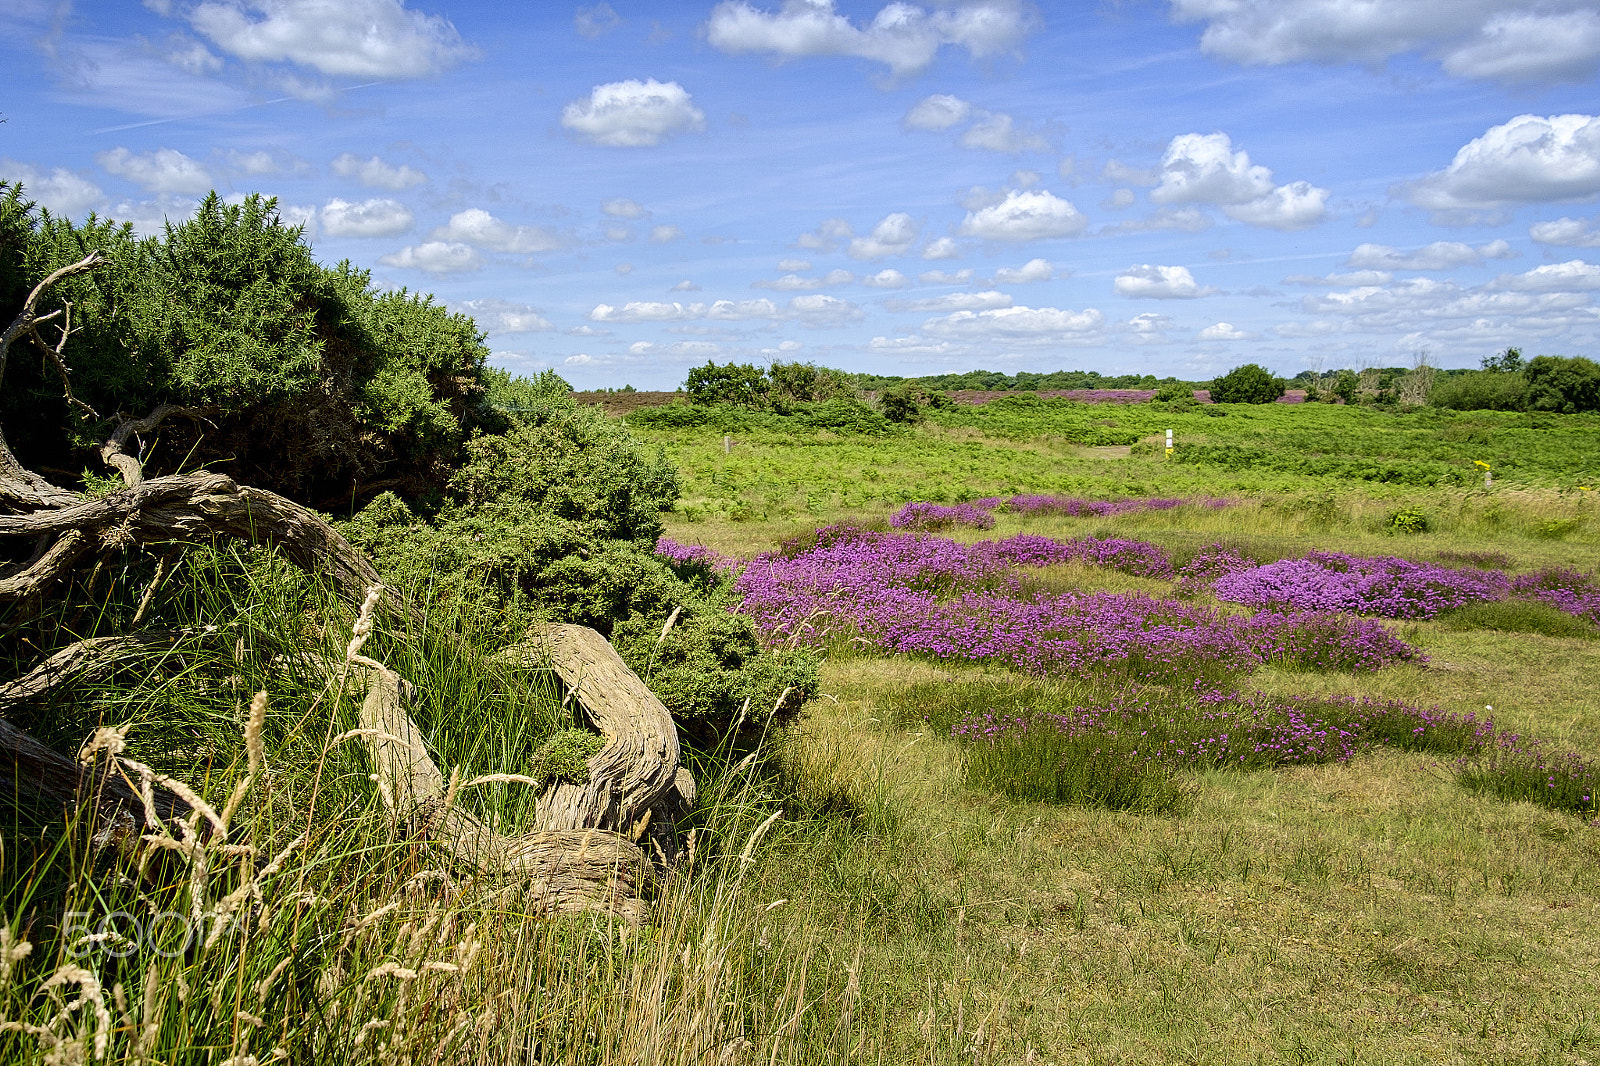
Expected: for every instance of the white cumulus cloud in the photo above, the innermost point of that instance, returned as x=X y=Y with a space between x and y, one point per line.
x=938 y=112
x=1001 y=133
x=665 y=234
x=435 y=257
x=165 y=170
x=622 y=207
x=1527 y=160
x=1025 y=216
x=478 y=227
x=893 y=235
x=827 y=235
x=945 y=277
x=1575 y=275
x=795 y=283
x=1203 y=168
x=1041 y=326
x=1223 y=331
x=595 y=21
x=1348 y=279
x=350 y=38
x=369 y=218
x=374 y=173
x=1500 y=40
x=60 y=190
x=902 y=36
x=942 y=248
x=504 y=316
x=885 y=279
x=1567 y=232
x=1032 y=270
x=1440 y=255
x=633 y=113
x=955 y=301
x=816 y=310
x=1159 y=283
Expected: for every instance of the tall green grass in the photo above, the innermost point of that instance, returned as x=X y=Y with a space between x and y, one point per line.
x=320 y=929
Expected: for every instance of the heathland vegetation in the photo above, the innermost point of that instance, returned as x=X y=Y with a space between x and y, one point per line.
x=1008 y=735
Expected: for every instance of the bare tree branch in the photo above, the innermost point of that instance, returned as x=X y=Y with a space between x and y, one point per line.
x=111 y=453
x=20 y=488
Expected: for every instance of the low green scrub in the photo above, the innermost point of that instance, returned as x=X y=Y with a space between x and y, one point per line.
x=843 y=416
x=1518 y=615
x=556 y=519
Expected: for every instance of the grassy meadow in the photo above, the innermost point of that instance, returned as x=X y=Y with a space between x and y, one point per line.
x=1374 y=910
x=859 y=888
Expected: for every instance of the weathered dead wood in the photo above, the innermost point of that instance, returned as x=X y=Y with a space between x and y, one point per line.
x=583 y=858
x=638 y=766
x=128 y=466
x=28 y=765
x=570 y=871
x=21 y=488
x=194 y=508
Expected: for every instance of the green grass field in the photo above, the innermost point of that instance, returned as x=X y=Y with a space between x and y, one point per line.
x=860 y=889
x=1374 y=911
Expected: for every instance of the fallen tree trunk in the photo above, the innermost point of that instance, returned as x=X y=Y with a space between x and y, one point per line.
x=584 y=855
x=571 y=869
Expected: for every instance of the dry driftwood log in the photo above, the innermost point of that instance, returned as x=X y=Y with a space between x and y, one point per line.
x=51 y=776
x=584 y=856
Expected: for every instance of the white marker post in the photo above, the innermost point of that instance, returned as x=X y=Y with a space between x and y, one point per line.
x=727 y=444
x=1169 y=444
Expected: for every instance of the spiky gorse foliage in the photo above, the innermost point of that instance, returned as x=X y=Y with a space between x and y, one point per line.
x=310 y=381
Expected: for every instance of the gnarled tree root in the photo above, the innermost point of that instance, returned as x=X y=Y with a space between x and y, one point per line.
x=573 y=868
x=26 y=764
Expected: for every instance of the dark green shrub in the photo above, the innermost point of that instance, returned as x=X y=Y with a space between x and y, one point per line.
x=1249 y=383
x=1407 y=520
x=1345 y=384
x=709 y=665
x=737 y=384
x=807 y=383
x=909 y=402
x=1480 y=390
x=1564 y=385
x=310 y=382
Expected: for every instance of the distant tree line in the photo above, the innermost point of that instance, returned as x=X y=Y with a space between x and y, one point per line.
x=1505 y=382
x=996 y=381
x=797 y=388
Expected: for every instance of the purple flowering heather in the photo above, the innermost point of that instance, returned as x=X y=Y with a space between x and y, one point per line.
x=1382 y=585
x=695 y=553
x=1565 y=589
x=1254 y=732
x=929 y=595
x=976 y=514
x=931 y=516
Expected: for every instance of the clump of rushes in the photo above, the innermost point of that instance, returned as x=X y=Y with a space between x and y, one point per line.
x=1031 y=758
x=1514 y=767
x=1124 y=751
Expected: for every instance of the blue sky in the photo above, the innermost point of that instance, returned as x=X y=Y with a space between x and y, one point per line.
x=620 y=191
